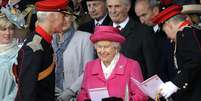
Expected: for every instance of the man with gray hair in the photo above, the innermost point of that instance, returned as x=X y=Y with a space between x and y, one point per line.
x=140 y=43
x=146 y=10
x=35 y=70
x=98 y=12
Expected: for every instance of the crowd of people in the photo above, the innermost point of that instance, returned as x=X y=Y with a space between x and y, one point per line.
x=71 y=50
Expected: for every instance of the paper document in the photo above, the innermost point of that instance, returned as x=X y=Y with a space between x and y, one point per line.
x=97 y=94
x=150 y=86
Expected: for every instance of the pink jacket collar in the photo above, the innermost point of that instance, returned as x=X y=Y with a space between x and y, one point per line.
x=118 y=70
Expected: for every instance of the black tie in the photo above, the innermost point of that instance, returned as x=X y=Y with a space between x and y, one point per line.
x=119 y=27
x=97 y=24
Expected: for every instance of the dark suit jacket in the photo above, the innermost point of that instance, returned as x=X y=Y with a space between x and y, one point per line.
x=89 y=26
x=167 y=69
x=141 y=45
x=188 y=55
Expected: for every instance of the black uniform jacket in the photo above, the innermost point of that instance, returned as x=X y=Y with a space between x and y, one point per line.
x=35 y=56
x=89 y=26
x=166 y=48
x=188 y=55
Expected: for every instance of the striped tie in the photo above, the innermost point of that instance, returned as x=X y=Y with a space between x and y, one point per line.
x=97 y=24
x=119 y=27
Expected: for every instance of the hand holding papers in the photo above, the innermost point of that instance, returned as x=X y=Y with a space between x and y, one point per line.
x=150 y=86
x=167 y=89
x=97 y=94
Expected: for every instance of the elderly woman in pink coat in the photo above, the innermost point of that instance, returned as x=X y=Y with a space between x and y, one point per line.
x=109 y=76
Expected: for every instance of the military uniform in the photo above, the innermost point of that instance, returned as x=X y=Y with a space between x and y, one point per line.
x=188 y=64
x=35 y=70
x=185 y=86
x=35 y=57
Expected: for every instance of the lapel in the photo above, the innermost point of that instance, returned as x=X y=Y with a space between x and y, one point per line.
x=128 y=29
x=97 y=70
x=92 y=26
x=119 y=68
x=107 y=20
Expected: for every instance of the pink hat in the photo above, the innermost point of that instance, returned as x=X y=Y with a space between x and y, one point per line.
x=52 y=5
x=108 y=33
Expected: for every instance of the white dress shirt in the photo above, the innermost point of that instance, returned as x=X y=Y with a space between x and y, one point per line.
x=98 y=23
x=122 y=24
x=156 y=28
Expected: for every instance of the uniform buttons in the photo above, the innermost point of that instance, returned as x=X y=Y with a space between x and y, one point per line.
x=182 y=35
x=179 y=71
x=184 y=87
x=185 y=84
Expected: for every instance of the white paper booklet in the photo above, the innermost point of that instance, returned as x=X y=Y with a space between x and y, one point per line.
x=97 y=94
x=150 y=86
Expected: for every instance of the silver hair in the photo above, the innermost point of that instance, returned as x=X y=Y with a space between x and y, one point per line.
x=152 y=3
x=178 y=18
x=126 y=2
x=41 y=16
x=117 y=45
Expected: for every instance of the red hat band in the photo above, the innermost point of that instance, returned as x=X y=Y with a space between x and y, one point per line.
x=167 y=14
x=52 y=5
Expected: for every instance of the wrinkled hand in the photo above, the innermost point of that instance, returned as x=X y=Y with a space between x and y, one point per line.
x=66 y=95
x=167 y=89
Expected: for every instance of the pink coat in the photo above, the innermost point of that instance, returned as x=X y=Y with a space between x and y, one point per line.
x=116 y=83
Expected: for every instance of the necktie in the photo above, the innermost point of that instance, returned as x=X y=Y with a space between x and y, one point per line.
x=97 y=24
x=119 y=27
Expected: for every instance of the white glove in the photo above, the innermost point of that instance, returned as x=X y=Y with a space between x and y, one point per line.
x=66 y=95
x=167 y=89
x=57 y=91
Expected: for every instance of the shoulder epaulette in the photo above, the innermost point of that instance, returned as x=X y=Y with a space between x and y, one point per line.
x=197 y=27
x=35 y=43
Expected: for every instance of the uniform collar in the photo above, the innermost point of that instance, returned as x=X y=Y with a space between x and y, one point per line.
x=156 y=28
x=43 y=34
x=185 y=23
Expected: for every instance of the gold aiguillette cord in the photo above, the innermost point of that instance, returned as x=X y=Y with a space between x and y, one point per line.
x=157 y=97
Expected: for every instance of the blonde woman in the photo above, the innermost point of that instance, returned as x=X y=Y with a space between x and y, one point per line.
x=8 y=55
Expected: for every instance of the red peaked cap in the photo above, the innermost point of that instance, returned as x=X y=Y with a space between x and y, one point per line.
x=4 y=3
x=107 y=33
x=52 y=5
x=95 y=0
x=167 y=14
